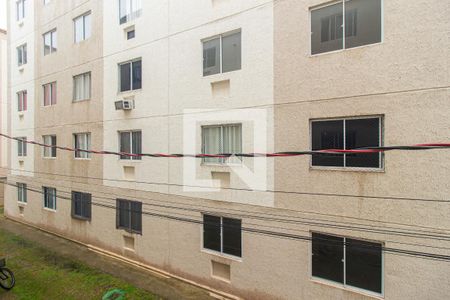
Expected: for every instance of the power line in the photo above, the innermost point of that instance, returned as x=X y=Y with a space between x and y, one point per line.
x=394 y=251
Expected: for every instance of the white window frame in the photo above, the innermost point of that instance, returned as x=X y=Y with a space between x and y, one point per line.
x=51 y=93
x=22 y=193
x=21 y=102
x=47 y=152
x=22 y=54
x=344 y=285
x=20 y=4
x=222 y=161
x=343 y=28
x=46 y=2
x=130 y=62
x=45 y=190
x=22 y=147
x=53 y=44
x=220 y=37
x=85 y=36
x=134 y=13
x=86 y=93
x=345 y=168
x=87 y=141
x=132 y=158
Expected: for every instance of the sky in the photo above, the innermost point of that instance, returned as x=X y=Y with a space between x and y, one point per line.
x=3 y=14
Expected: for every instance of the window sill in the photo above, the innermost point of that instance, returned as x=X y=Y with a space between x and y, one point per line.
x=21 y=68
x=220 y=76
x=347 y=169
x=130 y=161
x=344 y=50
x=82 y=159
x=218 y=165
x=20 y=23
x=129 y=94
x=50 y=210
x=49 y=158
x=129 y=233
x=222 y=255
x=81 y=100
x=347 y=288
x=79 y=218
x=22 y=204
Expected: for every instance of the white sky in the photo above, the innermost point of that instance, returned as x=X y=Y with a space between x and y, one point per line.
x=3 y=14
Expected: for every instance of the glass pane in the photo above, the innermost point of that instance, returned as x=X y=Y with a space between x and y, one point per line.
x=124 y=214
x=326 y=29
x=87 y=26
x=125 y=77
x=54 y=41
x=231 y=52
x=363 y=22
x=232 y=141
x=211 y=233
x=53 y=139
x=137 y=75
x=137 y=144
x=87 y=85
x=136 y=216
x=24 y=52
x=47 y=43
x=327 y=257
x=232 y=237
x=211 y=57
x=125 y=144
x=19 y=56
x=327 y=135
x=53 y=93
x=211 y=137
x=79 y=36
x=362 y=133
x=363 y=265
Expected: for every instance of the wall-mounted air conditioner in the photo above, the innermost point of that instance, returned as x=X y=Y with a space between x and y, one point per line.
x=124 y=104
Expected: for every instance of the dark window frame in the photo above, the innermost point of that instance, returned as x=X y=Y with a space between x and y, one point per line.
x=22 y=196
x=344 y=119
x=222 y=249
x=133 y=216
x=83 y=199
x=46 y=193
x=345 y=245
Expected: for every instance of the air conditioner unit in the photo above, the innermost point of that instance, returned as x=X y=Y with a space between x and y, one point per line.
x=124 y=105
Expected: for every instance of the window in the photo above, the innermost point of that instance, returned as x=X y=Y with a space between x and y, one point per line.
x=347 y=134
x=82 y=87
x=130 y=74
x=360 y=19
x=20 y=9
x=22 y=55
x=129 y=10
x=222 y=139
x=50 y=140
x=81 y=205
x=22 y=192
x=49 y=94
x=131 y=34
x=49 y=197
x=82 y=27
x=222 y=54
x=348 y=261
x=22 y=147
x=222 y=235
x=22 y=100
x=129 y=215
x=82 y=142
x=46 y=2
x=50 y=42
x=130 y=142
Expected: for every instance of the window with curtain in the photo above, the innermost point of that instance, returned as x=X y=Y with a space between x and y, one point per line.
x=222 y=235
x=350 y=262
x=50 y=42
x=81 y=205
x=130 y=142
x=129 y=215
x=22 y=101
x=82 y=27
x=82 y=87
x=49 y=94
x=130 y=75
x=222 y=54
x=50 y=140
x=49 y=197
x=22 y=192
x=347 y=134
x=362 y=20
x=22 y=55
x=222 y=139
x=82 y=142
x=22 y=147
x=129 y=10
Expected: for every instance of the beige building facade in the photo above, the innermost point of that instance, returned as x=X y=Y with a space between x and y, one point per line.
x=226 y=76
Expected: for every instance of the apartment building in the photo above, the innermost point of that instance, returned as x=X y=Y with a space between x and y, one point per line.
x=227 y=76
x=3 y=107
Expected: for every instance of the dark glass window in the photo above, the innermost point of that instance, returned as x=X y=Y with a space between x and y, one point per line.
x=130 y=76
x=129 y=215
x=131 y=34
x=346 y=134
x=327 y=257
x=81 y=205
x=222 y=235
x=348 y=261
x=362 y=25
x=131 y=142
x=222 y=54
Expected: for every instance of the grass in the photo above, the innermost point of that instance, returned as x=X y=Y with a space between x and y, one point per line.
x=43 y=274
